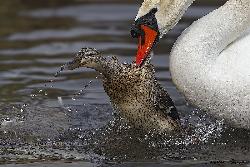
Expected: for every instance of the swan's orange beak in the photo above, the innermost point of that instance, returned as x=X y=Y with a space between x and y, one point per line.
x=146 y=42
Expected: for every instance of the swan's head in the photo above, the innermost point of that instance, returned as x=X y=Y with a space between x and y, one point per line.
x=154 y=19
x=146 y=30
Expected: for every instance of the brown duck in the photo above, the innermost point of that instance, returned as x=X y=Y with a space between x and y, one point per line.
x=134 y=91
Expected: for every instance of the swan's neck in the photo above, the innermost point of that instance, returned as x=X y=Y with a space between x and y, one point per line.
x=169 y=12
x=220 y=28
x=224 y=25
x=199 y=48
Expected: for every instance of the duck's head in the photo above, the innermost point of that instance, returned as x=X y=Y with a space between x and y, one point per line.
x=86 y=57
x=154 y=19
x=91 y=58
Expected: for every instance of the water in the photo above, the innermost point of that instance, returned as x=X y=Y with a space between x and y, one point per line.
x=50 y=121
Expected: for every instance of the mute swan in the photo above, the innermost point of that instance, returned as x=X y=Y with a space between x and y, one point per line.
x=134 y=93
x=210 y=61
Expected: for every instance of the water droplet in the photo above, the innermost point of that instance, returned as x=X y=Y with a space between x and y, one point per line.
x=60 y=101
x=33 y=95
x=58 y=72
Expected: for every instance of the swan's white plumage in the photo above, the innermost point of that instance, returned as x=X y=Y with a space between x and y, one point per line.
x=210 y=63
x=169 y=12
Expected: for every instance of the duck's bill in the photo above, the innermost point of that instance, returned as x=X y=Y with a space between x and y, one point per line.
x=146 y=43
x=75 y=63
x=69 y=66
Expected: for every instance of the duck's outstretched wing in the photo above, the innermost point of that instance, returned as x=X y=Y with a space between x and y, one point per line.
x=164 y=104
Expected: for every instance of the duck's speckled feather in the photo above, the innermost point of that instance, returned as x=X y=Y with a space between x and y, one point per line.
x=134 y=92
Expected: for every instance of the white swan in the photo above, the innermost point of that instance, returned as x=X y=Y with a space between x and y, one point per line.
x=210 y=62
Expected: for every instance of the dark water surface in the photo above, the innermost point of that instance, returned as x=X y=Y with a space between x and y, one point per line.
x=53 y=121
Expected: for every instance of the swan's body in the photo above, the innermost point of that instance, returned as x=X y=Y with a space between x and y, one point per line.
x=210 y=62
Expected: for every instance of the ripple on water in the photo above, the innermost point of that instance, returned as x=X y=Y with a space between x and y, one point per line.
x=64 y=34
x=123 y=12
x=66 y=48
x=87 y=13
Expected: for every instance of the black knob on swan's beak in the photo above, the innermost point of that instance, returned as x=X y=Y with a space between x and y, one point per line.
x=148 y=20
x=136 y=31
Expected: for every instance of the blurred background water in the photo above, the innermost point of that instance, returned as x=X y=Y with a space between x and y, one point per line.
x=69 y=118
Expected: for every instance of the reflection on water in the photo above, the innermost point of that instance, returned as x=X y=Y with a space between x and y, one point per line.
x=46 y=118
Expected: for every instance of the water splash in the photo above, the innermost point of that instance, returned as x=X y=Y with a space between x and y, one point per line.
x=59 y=71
